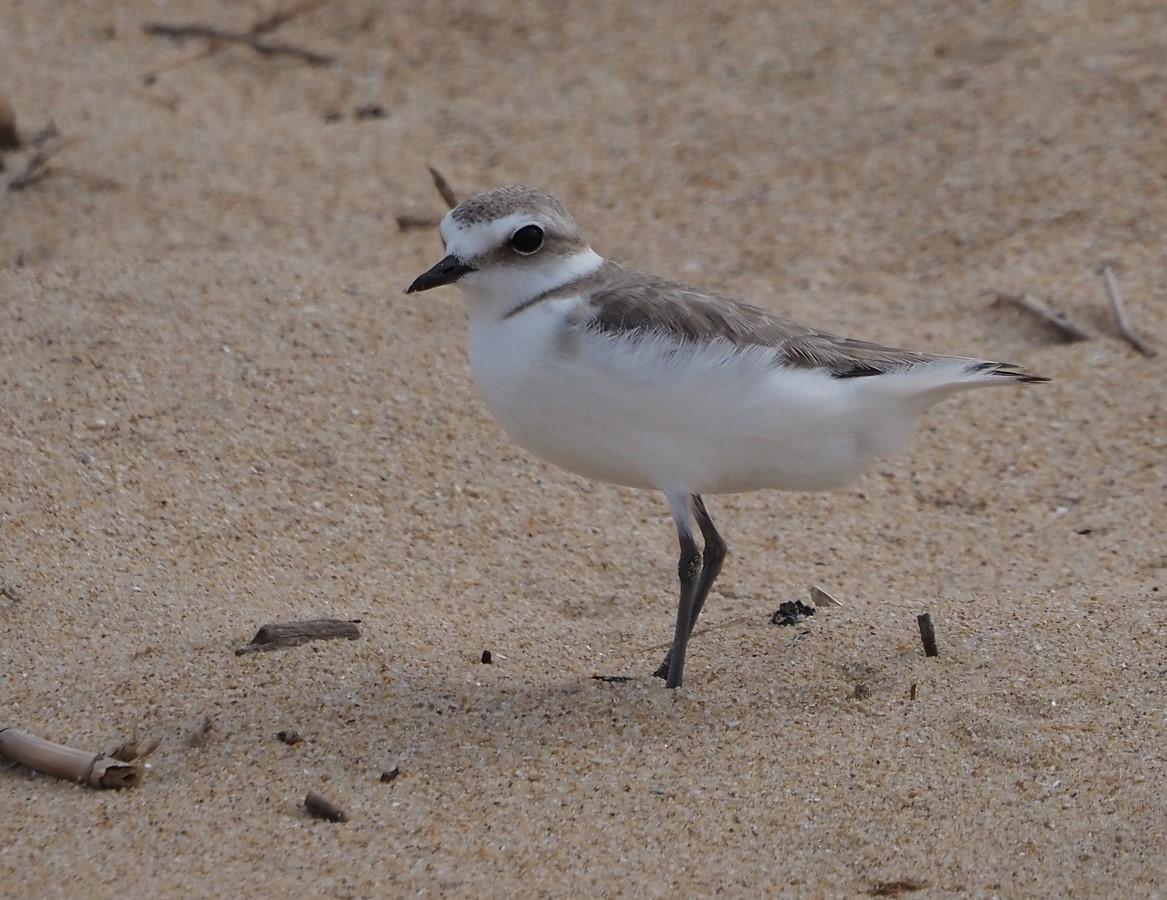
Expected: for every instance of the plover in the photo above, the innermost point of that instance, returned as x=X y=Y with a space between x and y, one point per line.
x=639 y=381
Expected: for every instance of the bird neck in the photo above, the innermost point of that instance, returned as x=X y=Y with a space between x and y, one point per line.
x=496 y=293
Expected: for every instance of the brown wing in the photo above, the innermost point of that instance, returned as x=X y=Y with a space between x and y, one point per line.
x=632 y=302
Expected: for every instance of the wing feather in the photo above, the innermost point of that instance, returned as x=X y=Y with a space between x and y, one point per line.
x=624 y=301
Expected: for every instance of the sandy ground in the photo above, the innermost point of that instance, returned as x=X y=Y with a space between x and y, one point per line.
x=217 y=409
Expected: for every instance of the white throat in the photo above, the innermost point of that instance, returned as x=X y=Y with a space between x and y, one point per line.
x=495 y=291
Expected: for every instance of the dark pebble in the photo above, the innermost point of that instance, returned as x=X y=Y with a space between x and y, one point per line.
x=791 y=613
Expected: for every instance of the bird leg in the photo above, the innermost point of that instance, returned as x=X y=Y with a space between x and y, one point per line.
x=689 y=570
x=694 y=586
x=713 y=556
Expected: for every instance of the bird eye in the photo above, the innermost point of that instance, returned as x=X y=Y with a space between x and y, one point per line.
x=527 y=239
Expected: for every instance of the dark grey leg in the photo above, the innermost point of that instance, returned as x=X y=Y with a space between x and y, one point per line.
x=689 y=570
x=714 y=556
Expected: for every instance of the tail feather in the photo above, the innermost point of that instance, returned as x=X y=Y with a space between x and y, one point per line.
x=921 y=386
x=1008 y=371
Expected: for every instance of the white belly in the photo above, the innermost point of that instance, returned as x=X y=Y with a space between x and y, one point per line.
x=650 y=413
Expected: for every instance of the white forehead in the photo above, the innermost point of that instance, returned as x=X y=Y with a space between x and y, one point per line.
x=469 y=241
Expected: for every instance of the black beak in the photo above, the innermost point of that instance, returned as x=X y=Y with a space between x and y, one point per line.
x=447 y=271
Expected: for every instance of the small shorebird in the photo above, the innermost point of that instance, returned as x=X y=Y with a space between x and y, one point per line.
x=635 y=380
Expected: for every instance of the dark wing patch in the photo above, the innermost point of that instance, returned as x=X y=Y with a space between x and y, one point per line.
x=848 y=357
x=858 y=371
x=630 y=302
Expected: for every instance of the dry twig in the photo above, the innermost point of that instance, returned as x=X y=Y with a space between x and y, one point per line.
x=1069 y=329
x=219 y=38
x=412 y=222
x=281 y=635
x=47 y=143
x=245 y=38
x=282 y=17
x=122 y=767
x=1118 y=309
x=444 y=188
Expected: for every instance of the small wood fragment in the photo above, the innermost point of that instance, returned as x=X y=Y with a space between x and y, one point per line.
x=415 y=222
x=444 y=188
x=47 y=143
x=1118 y=310
x=390 y=775
x=133 y=748
x=912 y=691
x=97 y=770
x=1068 y=328
x=322 y=808
x=9 y=137
x=612 y=679
x=927 y=634
x=281 y=635
x=821 y=598
x=895 y=888
x=369 y=111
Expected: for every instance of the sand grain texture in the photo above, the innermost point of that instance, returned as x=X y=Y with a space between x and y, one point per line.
x=217 y=409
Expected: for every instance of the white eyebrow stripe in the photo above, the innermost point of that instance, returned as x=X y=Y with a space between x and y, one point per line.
x=469 y=242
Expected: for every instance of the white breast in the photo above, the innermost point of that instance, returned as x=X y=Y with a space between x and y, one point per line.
x=653 y=413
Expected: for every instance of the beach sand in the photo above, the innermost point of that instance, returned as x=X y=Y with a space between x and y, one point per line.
x=218 y=409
